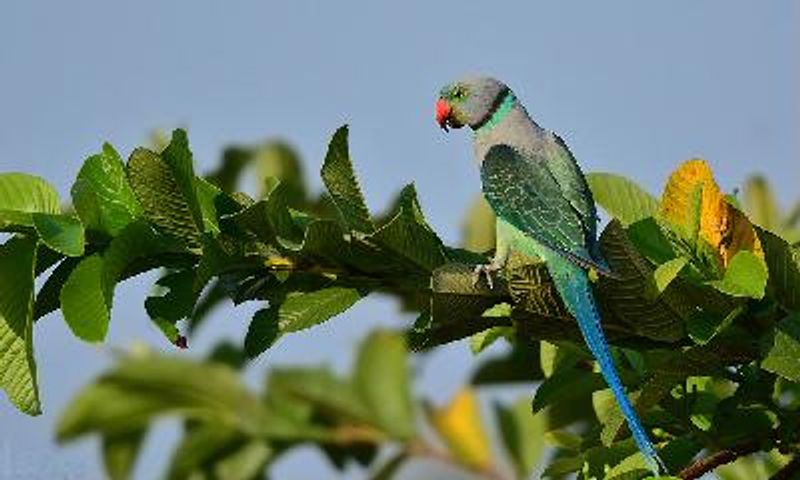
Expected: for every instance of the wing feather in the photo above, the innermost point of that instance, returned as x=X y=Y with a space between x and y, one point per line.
x=523 y=189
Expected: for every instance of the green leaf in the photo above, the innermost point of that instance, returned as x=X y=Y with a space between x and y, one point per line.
x=139 y=248
x=141 y=388
x=62 y=233
x=557 y=357
x=382 y=379
x=522 y=434
x=324 y=239
x=666 y=272
x=179 y=159
x=219 y=451
x=547 y=357
x=760 y=204
x=14 y=221
x=175 y=304
x=20 y=192
x=570 y=383
x=213 y=204
x=298 y=311
x=564 y=440
x=563 y=466
x=87 y=295
x=703 y=326
x=703 y=400
x=86 y=301
x=340 y=179
x=165 y=186
x=782 y=347
x=482 y=340
x=48 y=298
x=262 y=333
x=301 y=393
x=599 y=460
x=408 y=235
x=120 y=452
x=746 y=276
x=277 y=159
x=269 y=219
x=234 y=161
x=631 y=467
x=783 y=262
x=622 y=198
x=627 y=300
x=17 y=365
x=655 y=241
x=304 y=310
x=101 y=194
x=178 y=301
x=245 y=463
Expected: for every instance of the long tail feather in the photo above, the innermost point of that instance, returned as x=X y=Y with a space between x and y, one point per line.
x=574 y=286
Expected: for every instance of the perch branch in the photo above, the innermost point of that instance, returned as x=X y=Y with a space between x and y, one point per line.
x=704 y=465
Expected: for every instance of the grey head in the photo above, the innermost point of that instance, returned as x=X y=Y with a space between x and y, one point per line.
x=470 y=101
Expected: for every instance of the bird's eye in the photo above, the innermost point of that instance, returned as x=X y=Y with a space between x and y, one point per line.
x=459 y=93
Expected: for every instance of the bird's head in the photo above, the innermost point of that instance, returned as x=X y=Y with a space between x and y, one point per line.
x=470 y=101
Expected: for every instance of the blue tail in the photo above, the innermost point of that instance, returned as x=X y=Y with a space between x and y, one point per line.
x=574 y=286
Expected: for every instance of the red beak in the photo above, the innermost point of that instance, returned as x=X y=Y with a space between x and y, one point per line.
x=443 y=111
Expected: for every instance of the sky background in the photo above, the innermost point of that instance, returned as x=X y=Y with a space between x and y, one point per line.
x=633 y=87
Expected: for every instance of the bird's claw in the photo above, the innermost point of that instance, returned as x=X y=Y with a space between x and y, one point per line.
x=489 y=270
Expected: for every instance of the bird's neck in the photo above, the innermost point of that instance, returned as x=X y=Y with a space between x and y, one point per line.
x=499 y=111
x=510 y=124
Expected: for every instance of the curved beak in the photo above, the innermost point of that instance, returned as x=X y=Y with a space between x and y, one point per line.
x=443 y=111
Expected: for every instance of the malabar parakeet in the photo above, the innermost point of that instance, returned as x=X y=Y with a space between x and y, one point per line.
x=544 y=208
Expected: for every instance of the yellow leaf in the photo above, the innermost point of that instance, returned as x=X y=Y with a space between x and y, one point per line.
x=721 y=224
x=459 y=425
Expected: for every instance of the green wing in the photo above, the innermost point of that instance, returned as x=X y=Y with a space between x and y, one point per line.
x=570 y=179
x=545 y=196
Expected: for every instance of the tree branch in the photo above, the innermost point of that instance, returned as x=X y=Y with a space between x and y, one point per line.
x=423 y=449
x=704 y=465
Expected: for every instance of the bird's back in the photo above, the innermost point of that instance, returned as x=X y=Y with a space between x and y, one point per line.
x=542 y=151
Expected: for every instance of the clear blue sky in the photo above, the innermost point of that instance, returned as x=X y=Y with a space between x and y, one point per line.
x=634 y=87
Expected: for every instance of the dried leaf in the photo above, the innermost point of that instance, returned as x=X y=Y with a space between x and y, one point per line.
x=721 y=225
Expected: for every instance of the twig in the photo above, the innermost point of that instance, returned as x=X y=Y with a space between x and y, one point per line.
x=789 y=471
x=420 y=448
x=704 y=465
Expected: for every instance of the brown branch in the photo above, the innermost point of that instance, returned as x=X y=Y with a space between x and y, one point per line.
x=704 y=465
x=789 y=471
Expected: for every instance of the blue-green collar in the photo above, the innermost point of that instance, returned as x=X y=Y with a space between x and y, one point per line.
x=499 y=114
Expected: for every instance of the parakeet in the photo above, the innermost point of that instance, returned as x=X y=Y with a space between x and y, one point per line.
x=544 y=208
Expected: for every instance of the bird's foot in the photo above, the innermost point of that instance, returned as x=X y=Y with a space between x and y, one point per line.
x=488 y=269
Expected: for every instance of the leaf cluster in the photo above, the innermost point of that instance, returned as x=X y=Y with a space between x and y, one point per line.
x=703 y=307
x=233 y=432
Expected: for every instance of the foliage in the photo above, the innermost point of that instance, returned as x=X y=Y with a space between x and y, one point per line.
x=702 y=311
x=231 y=431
